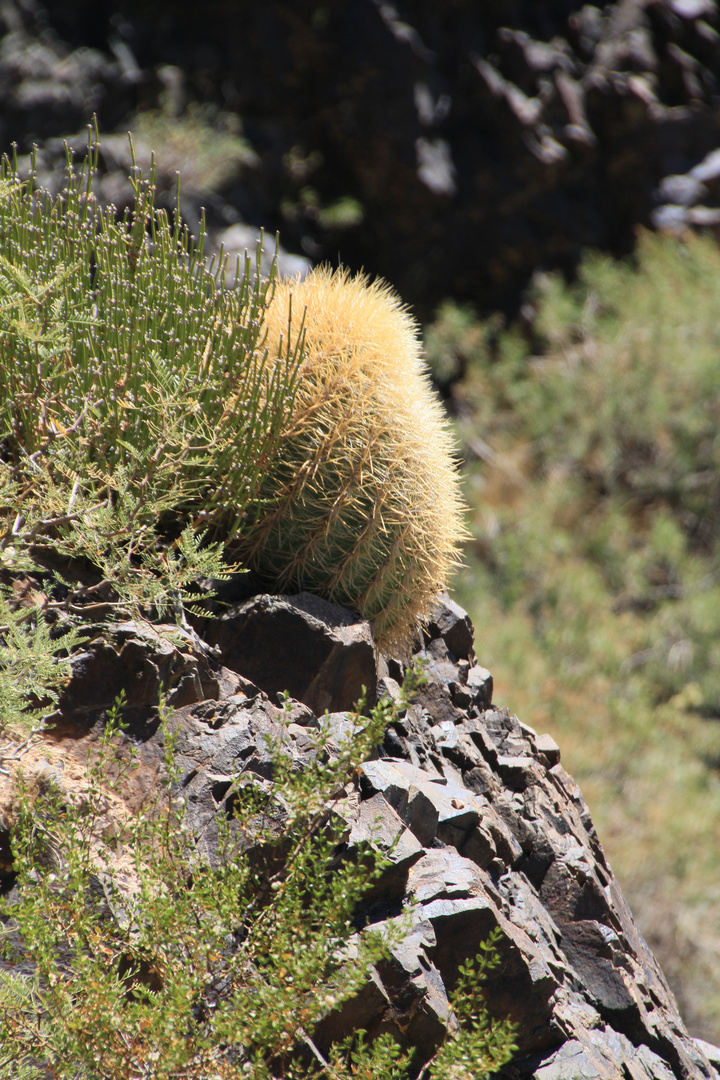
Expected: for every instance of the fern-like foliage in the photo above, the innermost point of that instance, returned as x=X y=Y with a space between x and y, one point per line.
x=132 y=382
x=33 y=662
x=150 y=960
x=138 y=411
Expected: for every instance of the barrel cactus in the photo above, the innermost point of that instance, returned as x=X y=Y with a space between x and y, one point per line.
x=361 y=504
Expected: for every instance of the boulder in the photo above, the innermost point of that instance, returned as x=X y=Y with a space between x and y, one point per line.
x=322 y=654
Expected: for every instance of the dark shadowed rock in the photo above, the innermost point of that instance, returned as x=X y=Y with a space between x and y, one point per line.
x=449 y=622
x=516 y=135
x=142 y=660
x=322 y=654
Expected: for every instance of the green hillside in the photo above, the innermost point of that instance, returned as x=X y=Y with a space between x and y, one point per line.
x=590 y=430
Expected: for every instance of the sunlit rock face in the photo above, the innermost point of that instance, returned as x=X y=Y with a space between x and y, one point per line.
x=482 y=825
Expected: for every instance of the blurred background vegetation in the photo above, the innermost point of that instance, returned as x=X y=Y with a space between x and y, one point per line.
x=592 y=450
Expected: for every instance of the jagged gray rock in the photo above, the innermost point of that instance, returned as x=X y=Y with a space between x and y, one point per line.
x=321 y=653
x=482 y=826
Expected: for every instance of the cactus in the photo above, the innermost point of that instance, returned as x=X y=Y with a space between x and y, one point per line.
x=362 y=503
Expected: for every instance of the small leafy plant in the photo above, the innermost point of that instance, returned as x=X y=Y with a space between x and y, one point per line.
x=137 y=411
x=128 y=955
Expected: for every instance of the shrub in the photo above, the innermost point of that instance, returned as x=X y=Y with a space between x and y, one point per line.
x=202 y=969
x=136 y=405
x=595 y=494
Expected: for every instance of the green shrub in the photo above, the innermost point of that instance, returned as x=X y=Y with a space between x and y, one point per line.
x=150 y=961
x=137 y=411
x=594 y=573
x=205 y=146
x=614 y=420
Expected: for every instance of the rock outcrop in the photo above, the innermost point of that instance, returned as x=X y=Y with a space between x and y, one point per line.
x=482 y=825
x=516 y=134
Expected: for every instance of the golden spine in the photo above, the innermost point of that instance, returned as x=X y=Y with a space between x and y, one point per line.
x=362 y=504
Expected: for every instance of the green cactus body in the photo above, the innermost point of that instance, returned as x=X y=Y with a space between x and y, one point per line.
x=362 y=504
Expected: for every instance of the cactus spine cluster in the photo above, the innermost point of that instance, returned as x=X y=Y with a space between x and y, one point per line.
x=362 y=503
